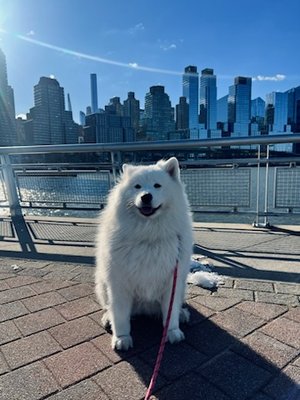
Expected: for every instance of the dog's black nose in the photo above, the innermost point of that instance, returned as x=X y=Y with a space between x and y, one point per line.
x=147 y=198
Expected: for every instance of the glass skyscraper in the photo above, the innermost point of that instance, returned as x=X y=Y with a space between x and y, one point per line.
x=7 y=107
x=190 y=90
x=208 y=100
x=94 y=93
x=277 y=111
x=158 y=115
x=239 y=106
x=48 y=121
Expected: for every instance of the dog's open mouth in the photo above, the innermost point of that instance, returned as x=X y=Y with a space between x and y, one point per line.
x=147 y=211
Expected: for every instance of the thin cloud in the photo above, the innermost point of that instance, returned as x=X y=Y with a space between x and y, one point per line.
x=30 y=33
x=96 y=58
x=168 y=47
x=133 y=30
x=133 y=65
x=277 y=77
x=137 y=28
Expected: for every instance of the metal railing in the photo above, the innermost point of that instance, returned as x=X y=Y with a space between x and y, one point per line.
x=260 y=186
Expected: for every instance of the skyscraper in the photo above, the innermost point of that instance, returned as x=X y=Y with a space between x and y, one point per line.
x=7 y=107
x=190 y=90
x=258 y=106
x=294 y=109
x=239 y=106
x=50 y=122
x=94 y=93
x=104 y=127
x=158 y=114
x=277 y=112
x=208 y=100
x=115 y=106
x=222 y=109
x=182 y=114
x=131 y=108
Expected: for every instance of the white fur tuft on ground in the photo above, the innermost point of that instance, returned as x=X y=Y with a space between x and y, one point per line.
x=201 y=274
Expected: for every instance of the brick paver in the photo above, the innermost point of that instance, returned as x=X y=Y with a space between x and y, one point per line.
x=78 y=308
x=32 y=382
x=76 y=331
x=12 y=310
x=285 y=330
x=77 y=363
x=242 y=341
x=43 y=301
x=31 y=348
x=38 y=321
x=84 y=390
x=228 y=372
x=8 y=332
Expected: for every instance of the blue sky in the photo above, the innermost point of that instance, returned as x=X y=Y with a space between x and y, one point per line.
x=250 y=38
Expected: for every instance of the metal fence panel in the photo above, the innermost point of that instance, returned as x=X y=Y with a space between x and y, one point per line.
x=287 y=187
x=3 y=197
x=218 y=186
x=65 y=187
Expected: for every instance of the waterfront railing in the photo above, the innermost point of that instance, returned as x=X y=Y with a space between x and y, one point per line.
x=261 y=185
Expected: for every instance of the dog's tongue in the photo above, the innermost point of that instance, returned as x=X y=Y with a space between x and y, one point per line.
x=147 y=210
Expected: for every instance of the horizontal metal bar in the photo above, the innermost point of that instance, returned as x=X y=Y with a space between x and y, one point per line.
x=158 y=145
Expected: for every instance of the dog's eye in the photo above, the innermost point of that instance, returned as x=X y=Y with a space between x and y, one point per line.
x=157 y=185
x=138 y=186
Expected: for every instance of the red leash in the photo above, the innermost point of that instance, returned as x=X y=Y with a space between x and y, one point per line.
x=164 y=337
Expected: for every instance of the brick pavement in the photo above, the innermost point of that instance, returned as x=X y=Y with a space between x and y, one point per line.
x=243 y=341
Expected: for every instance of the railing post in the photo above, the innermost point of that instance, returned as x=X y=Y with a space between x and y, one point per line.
x=113 y=164
x=10 y=186
x=266 y=221
x=256 y=222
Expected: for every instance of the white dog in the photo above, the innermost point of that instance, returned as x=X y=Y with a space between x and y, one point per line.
x=144 y=229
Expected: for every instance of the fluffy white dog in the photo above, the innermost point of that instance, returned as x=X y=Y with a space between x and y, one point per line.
x=144 y=229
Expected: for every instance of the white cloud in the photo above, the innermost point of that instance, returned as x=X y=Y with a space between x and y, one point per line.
x=137 y=28
x=168 y=47
x=30 y=33
x=21 y=116
x=133 y=65
x=277 y=77
x=51 y=76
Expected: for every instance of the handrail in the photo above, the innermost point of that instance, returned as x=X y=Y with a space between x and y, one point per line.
x=151 y=145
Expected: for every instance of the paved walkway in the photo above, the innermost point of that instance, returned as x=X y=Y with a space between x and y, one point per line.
x=243 y=341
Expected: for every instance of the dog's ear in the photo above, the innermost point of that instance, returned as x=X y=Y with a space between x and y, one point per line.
x=171 y=166
x=127 y=168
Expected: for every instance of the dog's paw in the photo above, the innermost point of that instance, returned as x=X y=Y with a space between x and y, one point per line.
x=175 y=335
x=105 y=321
x=121 y=342
x=184 y=316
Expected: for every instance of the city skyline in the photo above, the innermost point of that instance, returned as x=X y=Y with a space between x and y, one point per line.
x=133 y=48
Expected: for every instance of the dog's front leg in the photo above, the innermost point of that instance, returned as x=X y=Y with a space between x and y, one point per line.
x=174 y=334
x=121 y=305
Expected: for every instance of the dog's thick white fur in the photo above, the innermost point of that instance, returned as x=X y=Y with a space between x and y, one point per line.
x=145 y=227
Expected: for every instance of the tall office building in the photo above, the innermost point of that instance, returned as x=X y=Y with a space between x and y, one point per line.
x=294 y=109
x=158 y=115
x=258 y=106
x=115 y=107
x=239 y=106
x=208 y=100
x=94 y=93
x=131 y=108
x=190 y=90
x=104 y=127
x=277 y=118
x=182 y=115
x=277 y=112
x=222 y=109
x=7 y=107
x=49 y=122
